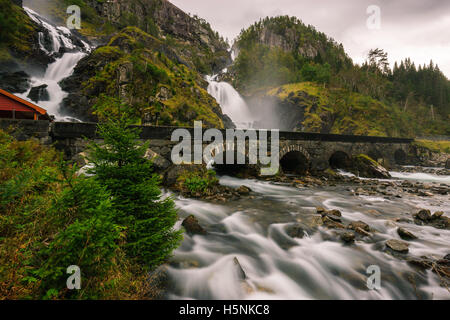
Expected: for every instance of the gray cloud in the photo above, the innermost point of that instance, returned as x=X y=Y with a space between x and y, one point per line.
x=409 y=28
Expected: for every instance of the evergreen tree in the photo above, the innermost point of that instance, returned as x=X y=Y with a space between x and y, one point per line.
x=120 y=166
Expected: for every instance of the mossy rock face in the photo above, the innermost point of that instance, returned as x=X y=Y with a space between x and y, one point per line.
x=19 y=48
x=135 y=69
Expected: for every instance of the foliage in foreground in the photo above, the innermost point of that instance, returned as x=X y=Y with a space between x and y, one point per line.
x=51 y=218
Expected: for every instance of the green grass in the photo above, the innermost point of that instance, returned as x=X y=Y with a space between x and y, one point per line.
x=435 y=146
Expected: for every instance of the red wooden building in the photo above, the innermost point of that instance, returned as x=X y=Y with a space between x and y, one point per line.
x=13 y=107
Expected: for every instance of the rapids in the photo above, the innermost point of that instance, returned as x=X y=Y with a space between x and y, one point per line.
x=318 y=265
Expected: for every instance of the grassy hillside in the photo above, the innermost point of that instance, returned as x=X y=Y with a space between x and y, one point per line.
x=134 y=70
x=340 y=111
x=282 y=57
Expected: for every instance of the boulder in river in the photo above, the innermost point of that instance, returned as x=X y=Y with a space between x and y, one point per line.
x=397 y=245
x=159 y=162
x=244 y=190
x=39 y=93
x=240 y=271
x=295 y=231
x=424 y=215
x=348 y=237
x=192 y=226
x=405 y=234
x=447 y=164
x=332 y=224
x=359 y=224
x=364 y=166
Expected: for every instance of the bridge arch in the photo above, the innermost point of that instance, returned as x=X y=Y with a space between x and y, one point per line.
x=294 y=159
x=340 y=160
x=400 y=157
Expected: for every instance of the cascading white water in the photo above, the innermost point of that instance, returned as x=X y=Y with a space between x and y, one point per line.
x=315 y=266
x=231 y=102
x=58 y=70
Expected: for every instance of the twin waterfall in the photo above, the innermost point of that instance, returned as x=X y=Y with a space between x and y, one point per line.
x=231 y=102
x=60 y=69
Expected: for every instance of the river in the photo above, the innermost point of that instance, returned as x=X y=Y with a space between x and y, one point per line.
x=318 y=265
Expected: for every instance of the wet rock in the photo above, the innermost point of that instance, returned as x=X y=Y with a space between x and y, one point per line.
x=423 y=263
x=313 y=221
x=240 y=271
x=359 y=224
x=80 y=159
x=15 y=82
x=362 y=232
x=397 y=245
x=447 y=257
x=364 y=166
x=320 y=210
x=159 y=162
x=424 y=215
x=192 y=226
x=424 y=194
x=331 y=224
x=441 y=223
x=437 y=215
x=332 y=214
x=405 y=234
x=295 y=231
x=243 y=190
x=348 y=237
x=447 y=164
x=39 y=93
x=159 y=282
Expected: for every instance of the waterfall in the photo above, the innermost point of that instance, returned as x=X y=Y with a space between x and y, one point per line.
x=60 y=69
x=231 y=102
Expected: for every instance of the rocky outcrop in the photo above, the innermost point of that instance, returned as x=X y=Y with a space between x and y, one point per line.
x=39 y=93
x=162 y=18
x=397 y=246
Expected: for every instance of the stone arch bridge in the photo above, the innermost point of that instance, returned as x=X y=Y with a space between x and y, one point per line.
x=298 y=151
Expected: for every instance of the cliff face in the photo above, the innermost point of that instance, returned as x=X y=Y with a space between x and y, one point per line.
x=290 y=35
x=143 y=73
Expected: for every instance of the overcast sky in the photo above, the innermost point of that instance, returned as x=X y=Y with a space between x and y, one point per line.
x=419 y=29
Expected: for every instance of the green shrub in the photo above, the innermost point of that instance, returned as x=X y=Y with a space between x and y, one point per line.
x=198 y=181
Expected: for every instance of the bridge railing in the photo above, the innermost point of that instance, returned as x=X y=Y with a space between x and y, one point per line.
x=61 y=130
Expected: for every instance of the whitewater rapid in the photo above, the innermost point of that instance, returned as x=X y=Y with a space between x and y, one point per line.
x=316 y=266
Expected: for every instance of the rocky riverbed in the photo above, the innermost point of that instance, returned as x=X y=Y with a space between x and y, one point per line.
x=293 y=237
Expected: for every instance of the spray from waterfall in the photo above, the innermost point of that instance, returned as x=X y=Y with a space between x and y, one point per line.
x=231 y=102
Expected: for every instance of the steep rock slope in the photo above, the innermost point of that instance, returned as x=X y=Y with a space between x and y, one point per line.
x=199 y=46
x=141 y=72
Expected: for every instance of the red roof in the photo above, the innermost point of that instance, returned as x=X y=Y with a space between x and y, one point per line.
x=24 y=105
